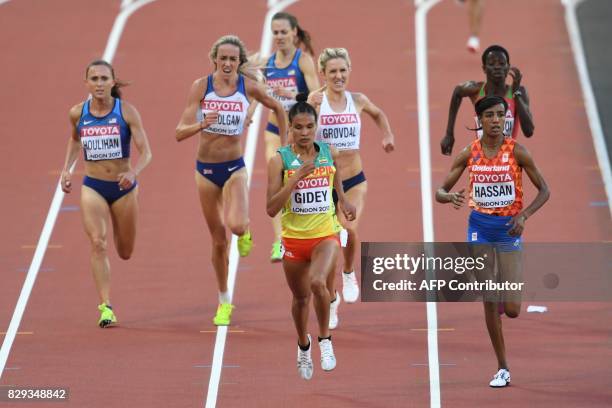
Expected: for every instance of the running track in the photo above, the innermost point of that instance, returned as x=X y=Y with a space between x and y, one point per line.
x=161 y=353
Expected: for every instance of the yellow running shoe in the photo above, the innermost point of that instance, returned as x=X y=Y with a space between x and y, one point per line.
x=107 y=316
x=245 y=243
x=224 y=314
x=276 y=255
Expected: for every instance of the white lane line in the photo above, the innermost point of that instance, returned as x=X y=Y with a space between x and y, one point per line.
x=56 y=202
x=590 y=104
x=249 y=159
x=4 y=1
x=420 y=27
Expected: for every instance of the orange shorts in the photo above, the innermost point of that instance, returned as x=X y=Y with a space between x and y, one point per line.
x=300 y=250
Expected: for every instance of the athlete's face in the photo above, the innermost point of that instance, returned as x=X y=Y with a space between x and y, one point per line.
x=303 y=128
x=496 y=66
x=99 y=81
x=336 y=74
x=283 y=34
x=493 y=120
x=228 y=59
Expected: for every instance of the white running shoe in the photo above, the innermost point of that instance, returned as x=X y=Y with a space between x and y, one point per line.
x=501 y=379
x=350 y=287
x=473 y=44
x=304 y=361
x=343 y=238
x=333 y=312
x=328 y=359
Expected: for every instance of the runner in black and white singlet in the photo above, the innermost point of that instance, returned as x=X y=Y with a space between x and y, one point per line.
x=339 y=124
x=217 y=111
x=104 y=126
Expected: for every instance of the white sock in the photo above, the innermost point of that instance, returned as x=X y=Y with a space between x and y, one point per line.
x=224 y=297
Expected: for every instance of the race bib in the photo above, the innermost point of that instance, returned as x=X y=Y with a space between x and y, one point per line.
x=340 y=130
x=289 y=84
x=311 y=196
x=229 y=122
x=101 y=142
x=493 y=195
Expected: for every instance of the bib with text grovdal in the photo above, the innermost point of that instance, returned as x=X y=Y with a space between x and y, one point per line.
x=101 y=142
x=311 y=196
x=339 y=129
x=290 y=84
x=492 y=186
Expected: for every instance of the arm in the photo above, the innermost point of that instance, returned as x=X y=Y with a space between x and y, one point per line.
x=141 y=142
x=258 y=92
x=278 y=194
x=458 y=198
x=379 y=117
x=348 y=209
x=521 y=99
x=73 y=148
x=309 y=71
x=461 y=91
x=188 y=126
x=525 y=160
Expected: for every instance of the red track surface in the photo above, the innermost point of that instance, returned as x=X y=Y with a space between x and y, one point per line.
x=166 y=294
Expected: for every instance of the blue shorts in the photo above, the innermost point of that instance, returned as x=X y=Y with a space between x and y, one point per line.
x=272 y=129
x=109 y=190
x=348 y=184
x=492 y=229
x=219 y=173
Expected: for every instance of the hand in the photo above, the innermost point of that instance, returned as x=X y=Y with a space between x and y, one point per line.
x=284 y=92
x=516 y=78
x=348 y=210
x=305 y=169
x=126 y=180
x=387 y=143
x=457 y=199
x=315 y=98
x=211 y=118
x=518 y=225
x=247 y=121
x=65 y=181
x=447 y=143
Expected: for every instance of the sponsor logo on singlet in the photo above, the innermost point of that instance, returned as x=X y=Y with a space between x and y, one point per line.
x=493 y=186
x=289 y=83
x=340 y=130
x=102 y=142
x=230 y=114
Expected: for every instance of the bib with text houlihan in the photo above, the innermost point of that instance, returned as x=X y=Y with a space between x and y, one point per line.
x=496 y=186
x=104 y=138
x=291 y=78
x=310 y=211
x=232 y=109
x=341 y=130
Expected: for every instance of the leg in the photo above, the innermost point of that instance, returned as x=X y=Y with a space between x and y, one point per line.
x=298 y=280
x=236 y=200
x=475 y=16
x=210 y=199
x=272 y=145
x=511 y=269
x=323 y=263
x=124 y=214
x=94 y=210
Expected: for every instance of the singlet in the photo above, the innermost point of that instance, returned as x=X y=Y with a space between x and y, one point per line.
x=290 y=77
x=512 y=121
x=342 y=130
x=232 y=109
x=310 y=211
x=105 y=138
x=496 y=186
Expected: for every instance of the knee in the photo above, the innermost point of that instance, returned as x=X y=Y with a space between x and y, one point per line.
x=98 y=245
x=239 y=229
x=318 y=286
x=125 y=253
x=301 y=301
x=512 y=312
x=219 y=242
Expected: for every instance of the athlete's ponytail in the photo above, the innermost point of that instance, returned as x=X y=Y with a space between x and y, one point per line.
x=115 y=92
x=303 y=36
x=302 y=107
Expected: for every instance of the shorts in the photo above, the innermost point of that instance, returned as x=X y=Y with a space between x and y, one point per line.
x=300 y=250
x=219 y=173
x=272 y=129
x=348 y=184
x=492 y=229
x=109 y=190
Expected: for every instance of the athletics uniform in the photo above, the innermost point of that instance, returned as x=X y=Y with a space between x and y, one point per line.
x=341 y=130
x=290 y=77
x=512 y=121
x=308 y=217
x=232 y=117
x=105 y=138
x=496 y=195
